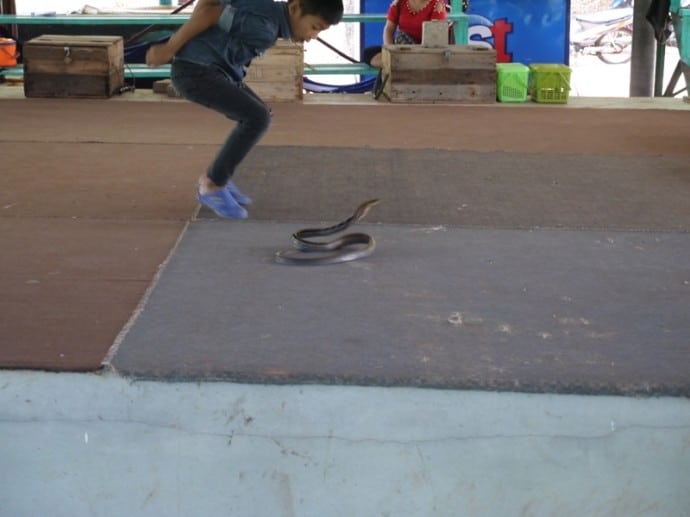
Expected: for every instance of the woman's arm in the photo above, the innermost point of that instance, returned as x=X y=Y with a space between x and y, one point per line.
x=388 y=31
x=392 y=20
x=205 y=14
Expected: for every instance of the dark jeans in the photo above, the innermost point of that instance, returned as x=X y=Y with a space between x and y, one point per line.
x=212 y=88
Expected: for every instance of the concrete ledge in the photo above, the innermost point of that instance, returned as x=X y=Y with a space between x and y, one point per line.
x=79 y=445
x=15 y=90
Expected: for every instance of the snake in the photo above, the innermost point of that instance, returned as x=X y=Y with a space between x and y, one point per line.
x=351 y=246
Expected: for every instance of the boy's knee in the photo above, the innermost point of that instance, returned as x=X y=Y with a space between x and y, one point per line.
x=262 y=118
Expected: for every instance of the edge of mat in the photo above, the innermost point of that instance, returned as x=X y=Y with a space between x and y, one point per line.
x=106 y=363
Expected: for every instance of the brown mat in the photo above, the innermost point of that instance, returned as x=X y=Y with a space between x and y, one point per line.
x=530 y=128
x=470 y=189
x=85 y=236
x=70 y=285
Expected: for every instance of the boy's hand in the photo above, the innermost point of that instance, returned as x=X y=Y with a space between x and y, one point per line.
x=158 y=55
x=205 y=15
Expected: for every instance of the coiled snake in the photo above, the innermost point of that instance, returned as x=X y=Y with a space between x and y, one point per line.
x=308 y=252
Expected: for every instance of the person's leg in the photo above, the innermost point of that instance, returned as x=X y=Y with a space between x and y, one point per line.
x=242 y=198
x=372 y=56
x=253 y=117
x=213 y=89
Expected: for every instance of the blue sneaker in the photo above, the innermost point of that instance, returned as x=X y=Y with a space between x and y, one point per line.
x=223 y=204
x=239 y=196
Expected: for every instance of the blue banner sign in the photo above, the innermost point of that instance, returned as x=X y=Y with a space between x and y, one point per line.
x=527 y=31
x=522 y=31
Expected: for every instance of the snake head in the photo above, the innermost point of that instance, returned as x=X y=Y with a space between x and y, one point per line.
x=363 y=209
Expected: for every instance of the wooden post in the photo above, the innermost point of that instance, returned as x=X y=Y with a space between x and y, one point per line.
x=9 y=7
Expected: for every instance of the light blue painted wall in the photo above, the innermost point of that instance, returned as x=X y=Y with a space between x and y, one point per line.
x=87 y=445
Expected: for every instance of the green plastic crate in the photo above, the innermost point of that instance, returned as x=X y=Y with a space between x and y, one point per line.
x=549 y=83
x=512 y=82
x=683 y=37
x=675 y=6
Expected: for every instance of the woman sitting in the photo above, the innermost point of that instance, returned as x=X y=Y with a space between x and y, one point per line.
x=407 y=16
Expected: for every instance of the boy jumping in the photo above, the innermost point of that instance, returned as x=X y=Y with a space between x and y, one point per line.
x=209 y=55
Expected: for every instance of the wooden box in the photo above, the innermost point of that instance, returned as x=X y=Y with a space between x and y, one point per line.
x=435 y=33
x=73 y=66
x=278 y=75
x=456 y=73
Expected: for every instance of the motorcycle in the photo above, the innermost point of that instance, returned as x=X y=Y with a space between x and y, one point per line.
x=605 y=34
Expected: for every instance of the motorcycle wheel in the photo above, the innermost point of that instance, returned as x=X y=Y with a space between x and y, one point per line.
x=619 y=42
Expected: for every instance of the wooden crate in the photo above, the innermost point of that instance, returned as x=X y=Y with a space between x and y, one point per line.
x=456 y=73
x=73 y=66
x=278 y=75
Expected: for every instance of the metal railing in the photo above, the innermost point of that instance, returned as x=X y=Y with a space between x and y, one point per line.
x=136 y=70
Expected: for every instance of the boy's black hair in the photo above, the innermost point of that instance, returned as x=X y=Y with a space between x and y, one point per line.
x=330 y=10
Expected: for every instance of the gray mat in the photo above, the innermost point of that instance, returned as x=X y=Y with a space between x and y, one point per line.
x=469 y=189
x=598 y=312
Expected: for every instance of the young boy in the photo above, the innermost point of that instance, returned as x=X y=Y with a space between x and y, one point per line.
x=209 y=54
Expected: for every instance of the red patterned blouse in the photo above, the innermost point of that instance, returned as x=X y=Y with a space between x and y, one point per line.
x=411 y=23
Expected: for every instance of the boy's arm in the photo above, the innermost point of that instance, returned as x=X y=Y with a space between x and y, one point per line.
x=205 y=14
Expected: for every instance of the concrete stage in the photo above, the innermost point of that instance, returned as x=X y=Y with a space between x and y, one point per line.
x=539 y=249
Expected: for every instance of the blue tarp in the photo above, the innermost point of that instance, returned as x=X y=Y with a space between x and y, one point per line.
x=363 y=86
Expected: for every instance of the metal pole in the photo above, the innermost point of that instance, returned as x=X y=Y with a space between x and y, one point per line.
x=643 y=51
x=659 y=70
x=9 y=7
x=139 y=34
x=681 y=38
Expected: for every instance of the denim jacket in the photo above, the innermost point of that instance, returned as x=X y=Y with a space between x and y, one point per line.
x=245 y=30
